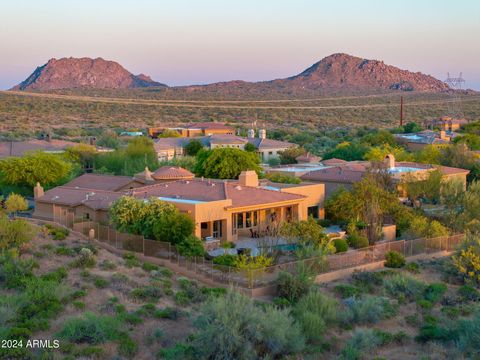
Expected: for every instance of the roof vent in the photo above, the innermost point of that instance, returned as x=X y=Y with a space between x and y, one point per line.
x=187 y=182
x=238 y=187
x=213 y=184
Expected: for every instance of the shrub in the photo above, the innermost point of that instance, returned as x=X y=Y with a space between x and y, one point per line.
x=314 y=312
x=14 y=273
x=404 y=287
x=149 y=267
x=366 y=310
x=57 y=232
x=413 y=267
x=367 y=280
x=168 y=313
x=217 y=291
x=91 y=329
x=340 y=245
x=434 y=292
x=85 y=259
x=233 y=327
x=393 y=259
x=79 y=305
x=293 y=287
x=225 y=260
x=361 y=341
x=107 y=265
x=64 y=251
x=346 y=291
x=177 y=351
x=181 y=298
x=147 y=293
x=127 y=346
x=100 y=282
x=357 y=241
x=130 y=260
x=191 y=246
x=468 y=331
x=469 y=293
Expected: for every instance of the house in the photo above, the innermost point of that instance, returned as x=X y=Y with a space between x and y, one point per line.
x=417 y=141
x=169 y=148
x=445 y=123
x=223 y=210
x=48 y=145
x=345 y=174
x=195 y=129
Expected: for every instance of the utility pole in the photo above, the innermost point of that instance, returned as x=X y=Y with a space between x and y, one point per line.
x=401 y=110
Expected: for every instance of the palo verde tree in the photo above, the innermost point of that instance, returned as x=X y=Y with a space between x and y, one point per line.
x=15 y=203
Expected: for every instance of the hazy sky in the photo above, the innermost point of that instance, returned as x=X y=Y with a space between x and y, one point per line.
x=182 y=42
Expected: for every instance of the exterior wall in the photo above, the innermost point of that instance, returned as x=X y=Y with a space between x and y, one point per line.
x=237 y=146
x=315 y=196
x=331 y=187
x=267 y=154
x=208 y=132
x=43 y=211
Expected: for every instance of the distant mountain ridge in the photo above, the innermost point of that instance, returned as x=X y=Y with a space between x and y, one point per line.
x=336 y=72
x=68 y=73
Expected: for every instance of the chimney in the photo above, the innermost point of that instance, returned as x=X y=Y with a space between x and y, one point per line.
x=47 y=137
x=92 y=140
x=248 y=178
x=443 y=135
x=262 y=133
x=38 y=191
x=148 y=174
x=389 y=161
x=251 y=133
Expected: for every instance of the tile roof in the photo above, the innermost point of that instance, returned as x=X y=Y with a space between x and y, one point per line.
x=250 y=196
x=333 y=161
x=207 y=125
x=101 y=182
x=171 y=173
x=19 y=148
x=265 y=144
x=64 y=195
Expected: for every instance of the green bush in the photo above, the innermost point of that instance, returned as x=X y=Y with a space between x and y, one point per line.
x=149 y=267
x=367 y=309
x=367 y=280
x=469 y=293
x=14 y=273
x=233 y=327
x=315 y=312
x=357 y=241
x=65 y=251
x=168 y=313
x=225 y=260
x=393 y=259
x=293 y=287
x=346 y=291
x=86 y=259
x=191 y=246
x=413 y=267
x=177 y=351
x=361 y=341
x=100 y=282
x=434 y=292
x=404 y=287
x=57 y=232
x=107 y=265
x=127 y=346
x=147 y=293
x=91 y=329
x=130 y=260
x=340 y=245
x=181 y=298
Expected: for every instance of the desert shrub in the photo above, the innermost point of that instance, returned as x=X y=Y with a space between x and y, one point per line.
x=14 y=273
x=367 y=309
x=65 y=251
x=340 y=245
x=56 y=275
x=147 y=293
x=181 y=298
x=434 y=292
x=107 y=265
x=468 y=293
x=346 y=291
x=177 y=351
x=216 y=291
x=168 y=313
x=413 y=267
x=315 y=312
x=191 y=246
x=404 y=287
x=127 y=346
x=225 y=260
x=57 y=232
x=468 y=335
x=367 y=280
x=100 y=282
x=149 y=267
x=393 y=259
x=85 y=259
x=361 y=341
x=78 y=304
x=431 y=330
x=357 y=241
x=130 y=259
x=91 y=329
x=293 y=286
x=233 y=327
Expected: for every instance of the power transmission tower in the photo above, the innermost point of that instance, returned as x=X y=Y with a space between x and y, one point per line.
x=454 y=104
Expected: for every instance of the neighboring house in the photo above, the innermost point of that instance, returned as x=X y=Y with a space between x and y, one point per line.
x=307 y=158
x=225 y=210
x=417 y=141
x=196 y=129
x=131 y=133
x=54 y=146
x=445 y=123
x=168 y=148
x=348 y=173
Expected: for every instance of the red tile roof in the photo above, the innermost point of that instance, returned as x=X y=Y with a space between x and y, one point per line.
x=172 y=173
x=102 y=182
x=64 y=195
x=333 y=161
x=19 y=148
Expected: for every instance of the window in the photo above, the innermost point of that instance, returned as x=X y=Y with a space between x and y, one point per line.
x=255 y=218
x=86 y=216
x=312 y=211
x=248 y=220
x=270 y=153
x=239 y=221
x=204 y=225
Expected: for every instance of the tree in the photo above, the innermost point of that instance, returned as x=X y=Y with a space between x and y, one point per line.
x=82 y=154
x=14 y=233
x=15 y=203
x=173 y=227
x=430 y=154
x=253 y=267
x=343 y=205
x=378 y=153
x=250 y=147
x=168 y=133
x=225 y=163
x=471 y=140
x=288 y=156
x=379 y=138
x=467 y=259
x=412 y=127
x=47 y=169
x=349 y=151
x=193 y=147
x=428 y=189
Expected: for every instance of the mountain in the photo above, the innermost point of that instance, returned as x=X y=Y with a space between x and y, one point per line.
x=334 y=74
x=68 y=73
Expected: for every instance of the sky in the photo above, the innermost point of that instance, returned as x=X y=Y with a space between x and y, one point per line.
x=180 y=42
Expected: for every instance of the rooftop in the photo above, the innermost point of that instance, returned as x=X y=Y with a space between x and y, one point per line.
x=102 y=182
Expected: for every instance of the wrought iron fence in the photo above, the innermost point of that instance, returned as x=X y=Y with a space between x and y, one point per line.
x=263 y=277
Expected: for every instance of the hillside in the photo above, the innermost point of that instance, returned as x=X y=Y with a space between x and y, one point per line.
x=70 y=73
